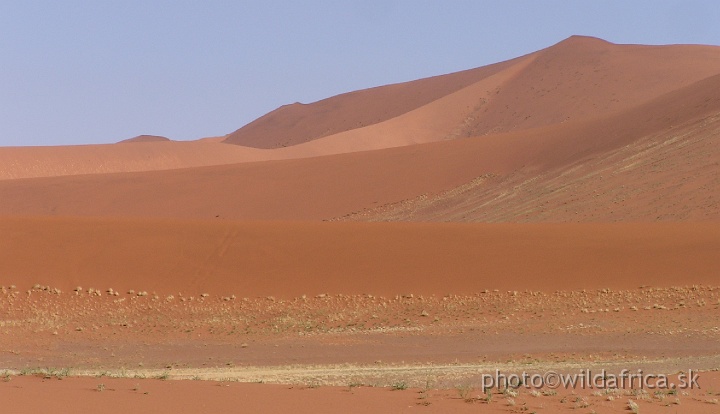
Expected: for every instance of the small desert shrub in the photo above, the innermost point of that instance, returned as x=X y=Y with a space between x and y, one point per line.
x=313 y=383
x=463 y=391
x=399 y=386
x=581 y=403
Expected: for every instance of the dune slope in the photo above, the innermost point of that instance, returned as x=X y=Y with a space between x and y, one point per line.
x=583 y=77
x=142 y=155
x=663 y=167
x=297 y=123
x=327 y=187
x=291 y=259
x=578 y=78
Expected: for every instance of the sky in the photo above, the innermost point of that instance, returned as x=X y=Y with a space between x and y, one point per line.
x=100 y=71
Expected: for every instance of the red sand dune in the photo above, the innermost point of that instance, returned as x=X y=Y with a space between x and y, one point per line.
x=144 y=138
x=284 y=259
x=333 y=186
x=583 y=78
x=440 y=120
x=655 y=162
x=26 y=162
x=580 y=77
x=297 y=123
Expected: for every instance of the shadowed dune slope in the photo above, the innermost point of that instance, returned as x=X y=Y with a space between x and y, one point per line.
x=290 y=259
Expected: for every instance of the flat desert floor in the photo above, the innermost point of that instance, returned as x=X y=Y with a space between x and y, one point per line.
x=475 y=298
x=95 y=351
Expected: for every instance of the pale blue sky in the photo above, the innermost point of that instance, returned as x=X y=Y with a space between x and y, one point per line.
x=99 y=71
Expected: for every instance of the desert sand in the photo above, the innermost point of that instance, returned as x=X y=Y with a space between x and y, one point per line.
x=289 y=259
x=378 y=251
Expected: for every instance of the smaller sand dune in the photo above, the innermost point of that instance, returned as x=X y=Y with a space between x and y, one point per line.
x=145 y=154
x=144 y=138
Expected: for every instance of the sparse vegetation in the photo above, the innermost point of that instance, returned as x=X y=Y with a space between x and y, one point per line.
x=464 y=391
x=398 y=386
x=256 y=322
